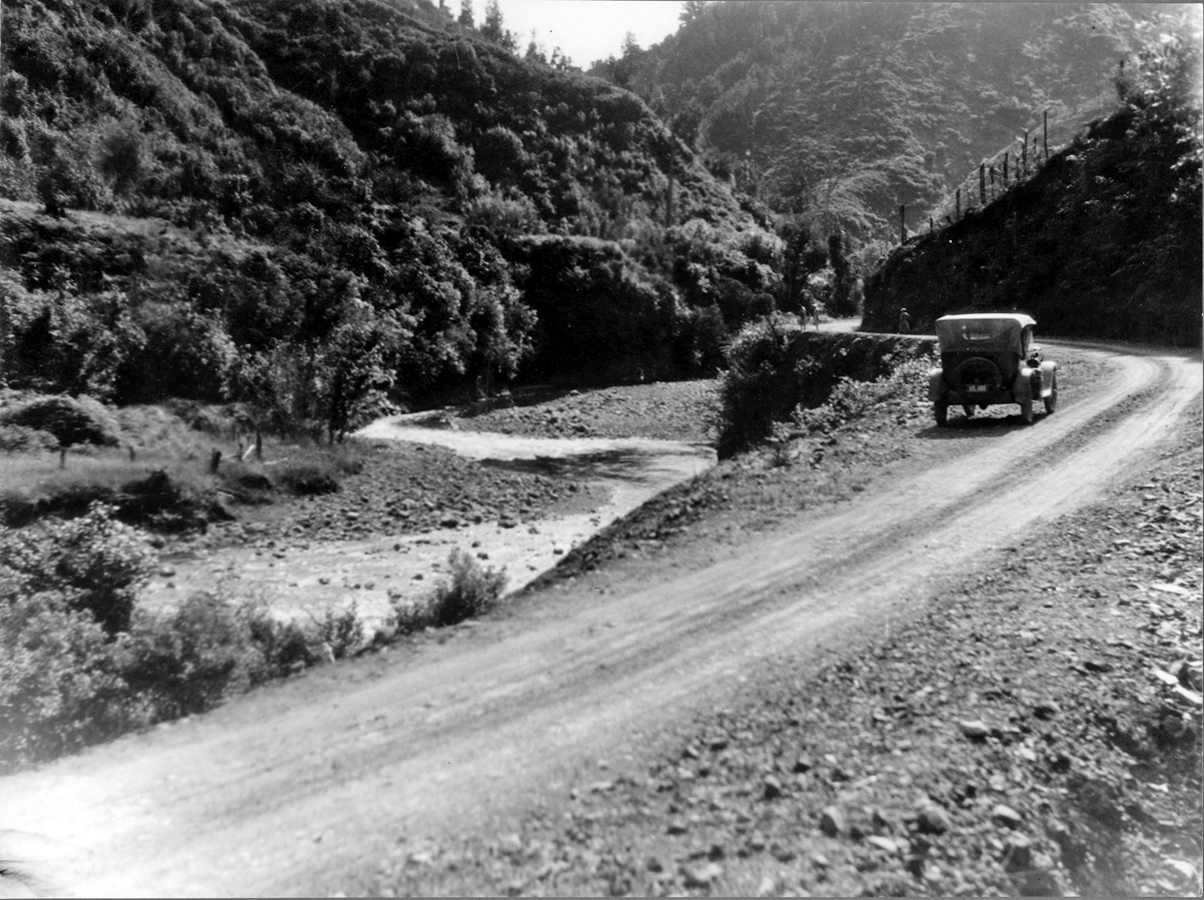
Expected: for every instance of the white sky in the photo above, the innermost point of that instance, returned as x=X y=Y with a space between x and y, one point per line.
x=584 y=30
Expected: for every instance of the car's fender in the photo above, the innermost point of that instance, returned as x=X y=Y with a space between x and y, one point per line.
x=936 y=383
x=1023 y=386
x=1049 y=369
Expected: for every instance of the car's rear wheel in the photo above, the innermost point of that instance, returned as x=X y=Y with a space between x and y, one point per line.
x=1026 y=411
x=940 y=409
x=978 y=371
x=968 y=409
x=1051 y=402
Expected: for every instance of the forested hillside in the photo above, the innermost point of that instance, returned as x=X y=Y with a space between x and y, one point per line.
x=352 y=198
x=320 y=206
x=841 y=112
x=1103 y=241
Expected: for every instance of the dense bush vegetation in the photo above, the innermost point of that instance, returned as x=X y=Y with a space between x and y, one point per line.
x=80 y=662
x=341 y=194
x=776 y=368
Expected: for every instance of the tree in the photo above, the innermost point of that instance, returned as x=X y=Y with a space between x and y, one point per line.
x=466 y=18
x=535 y=53
x=493 y=30
x=623 y=69
x=691 y=11
x=841 y=281
x=559 y=61
x=358 y=365
x=825 y=183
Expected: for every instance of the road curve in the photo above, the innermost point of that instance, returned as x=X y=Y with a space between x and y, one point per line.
x=296 y=789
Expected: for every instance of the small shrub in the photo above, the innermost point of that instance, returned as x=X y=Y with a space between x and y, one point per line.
x=72 y=420
x=94 y=563
x=307 y=479
x=168 y=504
x=21 y=439
x=852 y=399
x=60 y=685
x=471 y=592
x=409 y=616
x=775 y=367
x=342 y=632
x=759 y=381
x=189 y=661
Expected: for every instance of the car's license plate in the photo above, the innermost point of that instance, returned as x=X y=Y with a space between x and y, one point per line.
x=980 y=388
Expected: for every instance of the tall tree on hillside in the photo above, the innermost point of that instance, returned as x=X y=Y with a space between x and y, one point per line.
x=623 y=69
x=691 y=10
x=535 y=53
x=466 y=18
x=841 y=270
x=493 y=30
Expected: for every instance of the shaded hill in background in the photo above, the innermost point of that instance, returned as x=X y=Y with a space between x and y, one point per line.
x=350 y=190
x=1104 y=241
x=842 y=111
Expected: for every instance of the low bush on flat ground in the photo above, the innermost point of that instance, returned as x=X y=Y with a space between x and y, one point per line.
x=154 y=466
x=80 y=662
x=472 y=591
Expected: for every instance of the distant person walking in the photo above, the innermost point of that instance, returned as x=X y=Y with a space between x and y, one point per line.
x=904 y=321
x=815 y=317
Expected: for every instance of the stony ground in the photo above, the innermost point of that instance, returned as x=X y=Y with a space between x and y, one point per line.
x=679 y=411
x=406 y=489
x=1034 y=730
x=412 y=489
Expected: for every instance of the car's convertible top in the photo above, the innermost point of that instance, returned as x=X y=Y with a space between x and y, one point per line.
x=971 y=332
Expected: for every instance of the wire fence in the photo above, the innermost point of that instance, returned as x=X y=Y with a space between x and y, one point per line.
x=1015 y=164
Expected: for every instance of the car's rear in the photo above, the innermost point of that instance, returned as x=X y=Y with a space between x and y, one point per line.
x=988 y=359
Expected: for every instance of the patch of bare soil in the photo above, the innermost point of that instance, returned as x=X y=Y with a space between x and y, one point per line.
x=1036 y=730
x=674 y=411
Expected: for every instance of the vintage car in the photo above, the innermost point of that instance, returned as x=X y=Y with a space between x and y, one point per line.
x=990 y=358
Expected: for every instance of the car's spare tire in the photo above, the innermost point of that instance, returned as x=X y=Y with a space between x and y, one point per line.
x=977 y=370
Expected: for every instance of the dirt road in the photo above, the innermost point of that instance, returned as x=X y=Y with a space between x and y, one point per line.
x=308 y=787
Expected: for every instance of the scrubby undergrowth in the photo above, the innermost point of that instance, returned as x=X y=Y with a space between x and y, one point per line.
x=155 y=467
x=777 y=369
x=81 y=662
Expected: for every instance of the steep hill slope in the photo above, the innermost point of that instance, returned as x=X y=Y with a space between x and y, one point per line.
x=367 y=186
x=1103 y=241
x=844 y=111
